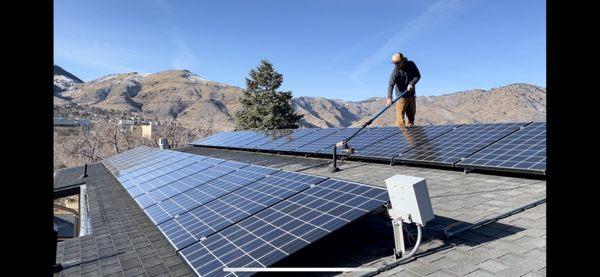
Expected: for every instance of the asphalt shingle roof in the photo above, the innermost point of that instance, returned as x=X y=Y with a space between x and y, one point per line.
x=125 y=241
x=68 y=177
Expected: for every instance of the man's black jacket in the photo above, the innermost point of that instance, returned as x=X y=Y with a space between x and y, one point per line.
x=402 y=76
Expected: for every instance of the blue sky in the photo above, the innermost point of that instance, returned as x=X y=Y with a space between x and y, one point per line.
x=330 y=48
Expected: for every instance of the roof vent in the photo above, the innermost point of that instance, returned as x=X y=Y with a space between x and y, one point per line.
x=163 y=143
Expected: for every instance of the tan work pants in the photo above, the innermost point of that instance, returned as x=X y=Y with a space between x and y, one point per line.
x=408 y=107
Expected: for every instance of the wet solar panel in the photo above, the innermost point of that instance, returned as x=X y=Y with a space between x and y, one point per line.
x=400 y=141
x=288 y=136
x=523 y=150
x=297 y=144
x=326 y=143
x=461 y=142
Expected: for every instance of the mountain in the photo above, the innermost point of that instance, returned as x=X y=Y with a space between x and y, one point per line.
x=512 y=103
x=172 y=94
x=194 y=101
x=63 y=80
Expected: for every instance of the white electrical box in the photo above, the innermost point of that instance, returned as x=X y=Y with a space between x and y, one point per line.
x=409 y=198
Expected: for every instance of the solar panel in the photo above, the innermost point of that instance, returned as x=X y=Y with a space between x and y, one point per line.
x=127 y=158
x=211 y=205
x=158 y=178
x=296 y=144
x=288 y=136
x=213 y=140
x=207 y=174
x=149 y=162
x=400 y=141
x=153 y=168
x=168 y=185
x=365 y=138
x=328 y=141
x=134 y=162
x=235 y=137
x=198 y=193
x=284 y=228
x=263 y=138
x=461 y=142
x=250 y=136
x=224 y=211
x=523 y=150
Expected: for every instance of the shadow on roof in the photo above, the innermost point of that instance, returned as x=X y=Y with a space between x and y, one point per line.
x=370 y=240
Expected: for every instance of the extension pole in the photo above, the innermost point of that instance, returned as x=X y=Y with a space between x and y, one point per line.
x=344 y=142
x=376 y=116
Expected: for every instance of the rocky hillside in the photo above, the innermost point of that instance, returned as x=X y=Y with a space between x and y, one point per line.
x=512 y=103
x=173 y=94
x=182 y=95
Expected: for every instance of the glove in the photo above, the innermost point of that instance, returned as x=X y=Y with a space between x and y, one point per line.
x=410 y=87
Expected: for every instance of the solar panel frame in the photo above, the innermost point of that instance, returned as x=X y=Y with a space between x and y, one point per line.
x=451 y=147
x=523 y=151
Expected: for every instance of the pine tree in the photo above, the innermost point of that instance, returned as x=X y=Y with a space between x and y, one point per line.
x=263 y=107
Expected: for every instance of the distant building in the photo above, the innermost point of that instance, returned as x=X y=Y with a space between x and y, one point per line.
x=125 y=123
x=143 y=131
x=69 y=126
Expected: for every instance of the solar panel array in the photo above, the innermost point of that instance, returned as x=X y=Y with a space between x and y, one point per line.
x=449 y=148
x=524 y=149
x=401 y=140
x=481 y=146
x=284 y=228
x=218 y=213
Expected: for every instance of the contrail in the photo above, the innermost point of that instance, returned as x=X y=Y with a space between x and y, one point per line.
x=433 y=15
x=184 y=57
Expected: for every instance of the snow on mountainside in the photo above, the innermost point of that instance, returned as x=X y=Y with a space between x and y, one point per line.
x=63 y=80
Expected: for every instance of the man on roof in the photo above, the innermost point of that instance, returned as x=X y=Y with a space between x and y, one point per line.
x=404 y=77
